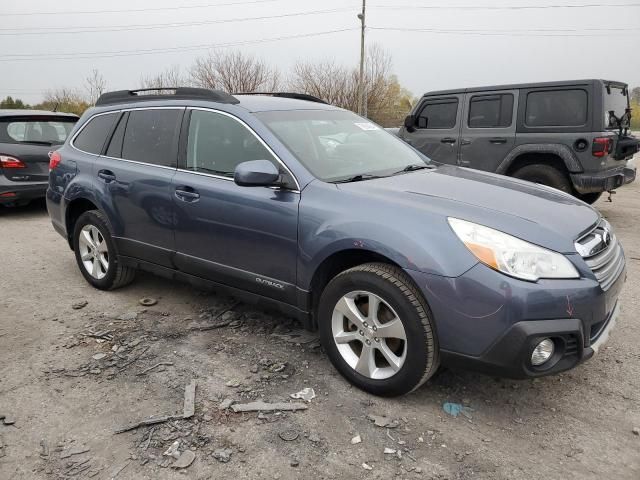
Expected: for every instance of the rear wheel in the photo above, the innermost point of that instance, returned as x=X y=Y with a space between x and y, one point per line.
x=377 y=330
x=96 y=253
x=546 y=175
x=589 y=198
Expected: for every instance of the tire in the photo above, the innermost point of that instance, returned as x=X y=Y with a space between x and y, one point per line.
x=415 y=358
x=589 y=198
x=546 y=175
x=100 y=241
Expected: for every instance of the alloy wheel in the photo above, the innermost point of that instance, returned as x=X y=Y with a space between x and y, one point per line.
x=94 y=252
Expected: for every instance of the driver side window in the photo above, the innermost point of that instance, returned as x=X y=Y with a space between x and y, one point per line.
x=218 y=143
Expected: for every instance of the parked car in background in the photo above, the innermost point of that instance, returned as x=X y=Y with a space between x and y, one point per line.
x=311 y=209
x=570 y=135
x=26 y=139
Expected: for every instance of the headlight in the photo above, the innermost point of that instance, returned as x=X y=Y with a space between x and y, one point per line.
x=511 y=255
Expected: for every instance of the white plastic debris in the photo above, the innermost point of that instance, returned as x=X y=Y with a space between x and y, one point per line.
x=172 y=451
x=355 y=440
x=306 y=394
x=366 y=466
x=389 y=451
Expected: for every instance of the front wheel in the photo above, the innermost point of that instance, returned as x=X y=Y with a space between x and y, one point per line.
x=378 y=330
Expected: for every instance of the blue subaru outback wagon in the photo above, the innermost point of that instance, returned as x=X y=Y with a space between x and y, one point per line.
x=286 y=202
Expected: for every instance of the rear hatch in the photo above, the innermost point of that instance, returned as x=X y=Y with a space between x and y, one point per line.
x=617 y=119
x=25 y=143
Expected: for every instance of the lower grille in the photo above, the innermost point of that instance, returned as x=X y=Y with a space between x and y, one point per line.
x=603 y=254
x=571 y=346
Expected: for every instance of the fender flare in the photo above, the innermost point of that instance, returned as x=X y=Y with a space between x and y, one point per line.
x=568 y=157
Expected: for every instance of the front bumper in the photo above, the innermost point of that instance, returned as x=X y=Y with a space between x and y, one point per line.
x=604 y=181
x=11 y=192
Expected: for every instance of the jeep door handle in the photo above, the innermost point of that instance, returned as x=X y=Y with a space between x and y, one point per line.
x=107 y=176
x=497 y=140
x=187 y=194
x=449 y=140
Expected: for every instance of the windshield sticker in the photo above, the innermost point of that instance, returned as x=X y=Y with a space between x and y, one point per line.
x=366 y=126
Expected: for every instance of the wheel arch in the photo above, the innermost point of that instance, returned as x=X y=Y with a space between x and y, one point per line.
x=74 y=209
x=557 y=155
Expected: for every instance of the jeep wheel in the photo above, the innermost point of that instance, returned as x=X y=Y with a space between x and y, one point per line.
x=589 y=198
x=378 y=330
x=96 y=253
x=546 y=175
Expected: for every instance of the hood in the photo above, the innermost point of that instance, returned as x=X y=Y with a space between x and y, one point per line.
x=535 y=213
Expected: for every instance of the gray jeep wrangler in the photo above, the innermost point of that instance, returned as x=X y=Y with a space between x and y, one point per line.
x=570 y=135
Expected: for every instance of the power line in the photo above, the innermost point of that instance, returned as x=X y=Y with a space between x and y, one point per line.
x=120 y=28
x=154 y=9
x=150 y=51
x=514 y=33
x=507 y=7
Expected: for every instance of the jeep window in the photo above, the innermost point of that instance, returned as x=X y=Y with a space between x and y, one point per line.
x=438 y=114
x=93 y=135
x=615 y=99
x=555 y=108
x=490 y=111
x=52 y=132
x=218 y=143
x=151 y=136
x=335 y=145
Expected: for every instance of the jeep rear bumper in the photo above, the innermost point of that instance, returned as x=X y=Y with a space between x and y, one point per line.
x=602 y=181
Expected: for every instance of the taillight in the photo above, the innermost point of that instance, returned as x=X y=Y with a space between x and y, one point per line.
x=602 y=146
x=10 y=162
x=54 y=160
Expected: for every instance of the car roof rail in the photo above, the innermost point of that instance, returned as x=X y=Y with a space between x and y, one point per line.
x=294 y=95
x=170 y=93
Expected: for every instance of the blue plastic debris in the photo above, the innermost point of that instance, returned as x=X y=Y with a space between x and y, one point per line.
x=455 y=409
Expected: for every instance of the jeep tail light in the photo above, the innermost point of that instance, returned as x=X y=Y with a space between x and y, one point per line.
x=54 y=160
x=10 y=162
x=602 y=146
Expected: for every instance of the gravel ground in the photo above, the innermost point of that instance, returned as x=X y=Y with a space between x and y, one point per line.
x=70 y=377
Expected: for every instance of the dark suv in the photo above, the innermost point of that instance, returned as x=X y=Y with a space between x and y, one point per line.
x=570 y=135
x=26 y=139
x=295 y=204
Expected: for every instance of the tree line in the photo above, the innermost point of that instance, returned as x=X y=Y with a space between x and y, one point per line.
x=387 y=102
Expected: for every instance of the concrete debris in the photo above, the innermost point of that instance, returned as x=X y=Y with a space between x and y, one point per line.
x=159 y=364
x=173 y=450
x=147 y=301
x=294 y=462
x=389 y=451
x=355 y=440
x=636 y=431
x=288 y=435
x=260 y=406
x=99 y=356
x=366 y=466
x=184 y=460
x=233 y=383
x=7 y=420
x=189 y=400
x=382 y=421
x=128 y=316
x=306 y=394
x=226 y=403
x=79 y=305
x=223 y=455
x=44 y=448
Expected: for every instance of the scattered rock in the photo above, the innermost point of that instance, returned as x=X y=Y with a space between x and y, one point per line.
x=7 y=420
x=189 y=400
x=99 y=356
x=314 y=438
x=186 y=458
x=223 y=455
x=636 y=431
x=128 y=316
x=79 y=305
x=366 y=466
x=233 y=383
x=173 y=450
x=254 y=369
x=288 y=435
x=226 y=403
x=95 y=371
x=74 y=451
x=355 y=440
x=382 y=421
x=294 y=462
x=389 y=451
x=147 y=301
x=260 y=406
x=306 y=394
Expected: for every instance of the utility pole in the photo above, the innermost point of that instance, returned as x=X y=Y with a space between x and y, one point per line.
x=361 y=104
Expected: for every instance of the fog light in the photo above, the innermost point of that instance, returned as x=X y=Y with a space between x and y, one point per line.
x=542 y=352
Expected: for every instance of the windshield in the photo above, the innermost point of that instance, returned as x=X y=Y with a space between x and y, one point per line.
x=337 y=145
x=52 y=132
x=616 y=100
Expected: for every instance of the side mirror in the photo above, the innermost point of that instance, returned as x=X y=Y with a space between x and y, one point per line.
x=256 y=173
x=410 y=122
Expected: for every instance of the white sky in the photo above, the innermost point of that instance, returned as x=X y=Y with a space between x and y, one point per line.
x=542 y=44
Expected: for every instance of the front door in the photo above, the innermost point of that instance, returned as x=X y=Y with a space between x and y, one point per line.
x=244 y=237
x=437 y=128
x=488 y=129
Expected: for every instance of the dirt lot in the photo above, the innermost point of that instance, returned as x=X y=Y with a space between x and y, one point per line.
x=71 y=377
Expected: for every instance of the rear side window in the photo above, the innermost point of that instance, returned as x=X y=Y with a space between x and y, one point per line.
x=439 y=114
x=115 y=145
x=52 y=132
x=552 y=108
x=151 y=136
x=92 y=137
x=490 y=111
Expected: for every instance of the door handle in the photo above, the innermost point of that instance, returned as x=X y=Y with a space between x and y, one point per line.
x=106 y=175
x=449 y=140
x=187 y=194
x=497 y=140
x=465 y=141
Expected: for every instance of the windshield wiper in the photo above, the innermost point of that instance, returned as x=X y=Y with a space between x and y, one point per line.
x=412 y=168
x=358 y=178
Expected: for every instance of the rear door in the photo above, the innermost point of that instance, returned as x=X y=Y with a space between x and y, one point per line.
x=488 y=128
x=29 y=139
x=133 y=179
x=438 y=127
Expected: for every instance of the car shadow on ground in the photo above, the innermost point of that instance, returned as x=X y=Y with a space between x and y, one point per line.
x=35 y=208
